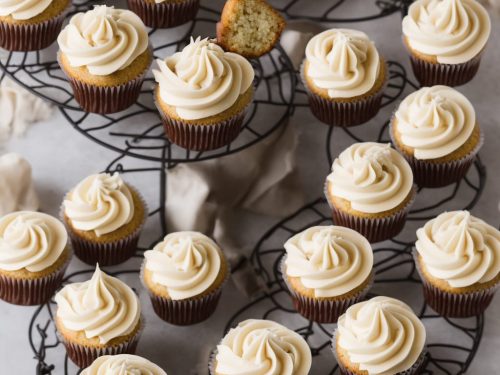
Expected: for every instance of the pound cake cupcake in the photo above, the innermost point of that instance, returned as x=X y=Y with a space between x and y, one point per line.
x=239 y=352
x=327 y=269
x=435 y=129
x=380 y=336
x=30 y=25
x=104 y=217
x=370 y=190
x=203 y=94
x=123 y=364
x=101 y=316
x=34 y=254
x=445 y=40
x=458 y=258
x=344 y=77
x=184 y=275
x=105 y=55
x=163 y=14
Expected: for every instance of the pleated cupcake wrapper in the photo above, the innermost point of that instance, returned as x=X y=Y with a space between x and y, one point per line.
x=164 y=15
x=344 y=114
x=322 y=310
x=455 y=305
x=105 y=253
x=212 y=364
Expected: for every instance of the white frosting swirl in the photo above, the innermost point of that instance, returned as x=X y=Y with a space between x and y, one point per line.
x=382 y=335
x=202 y=80
x=185 y=263
x=23 y=9
x=104 y=39
x=123 y=364
x=262 y=347
x=331 y=260
x=454 y=31
x=101 y=202
x=30 y=240
x=102 y=307
x=435 y=121
x=459 y=248
x=344 y=62
x=372 y=176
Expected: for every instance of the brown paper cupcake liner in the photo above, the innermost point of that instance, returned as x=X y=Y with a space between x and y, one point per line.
x=164 y=15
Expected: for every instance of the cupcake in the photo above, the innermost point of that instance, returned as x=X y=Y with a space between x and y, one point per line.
x=327 y=269
x=27 y=25
x=370 y=190
x=458 y=258
x=184 y=275
x=101 y=316
x=380 y=336
x=202 y=95
x=34 y=254
x=344 y=77
x=445 y=40
x=261 y=347
x=435 y=129
x=105 y=55
x=163 y=14
x=122 y=364
x=104 y=217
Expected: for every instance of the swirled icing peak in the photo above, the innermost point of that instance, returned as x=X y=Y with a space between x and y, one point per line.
x=382 y=335
x=262 y=347
x=459 y=248
x=102 y=307
x=202 y=80
x=435 y=121
x=123 y=364
x=372 y=176
x=331 y=260
x=344 y=62
x=454 y=31
x=101 y=202
x=104 y=39
x=186 y=263
x=30 y=240
x=23 y=9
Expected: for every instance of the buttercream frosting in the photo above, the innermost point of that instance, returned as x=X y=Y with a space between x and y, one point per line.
x=23 y=9
x=123 y=364
x=454 y=31
x=382 y=335
x=459 y=248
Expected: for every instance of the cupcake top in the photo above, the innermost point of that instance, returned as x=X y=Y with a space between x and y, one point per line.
x=23 y=9
x=202 y=80
x=103 y=307
x=454 y=31
x=373 y=177
x=262 y=347
x=30 y=240
x=185 y=263
x=123 y=364
x=101 y=203
x=435 y=121
x=382 y=335
x=104 y=39
x=460 y=249
x=342 y=61
x=331 y=260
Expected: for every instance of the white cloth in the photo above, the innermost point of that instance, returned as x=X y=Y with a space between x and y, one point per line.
x=295 y=38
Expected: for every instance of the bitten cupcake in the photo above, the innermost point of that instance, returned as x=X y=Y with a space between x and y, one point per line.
x=184 y=275
x=123 y=364
x=164 y=14
x=380 y=336
x=101 y=316
x=370 y=190
x=435 y=129
x=286 y=352
x=104 y=217
x=344 y=76
x=105 y=55
x=34 y=254
x=327 y=269
x=458 y=258
x=445 y=40
x=30 y=25
x=203 y=94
